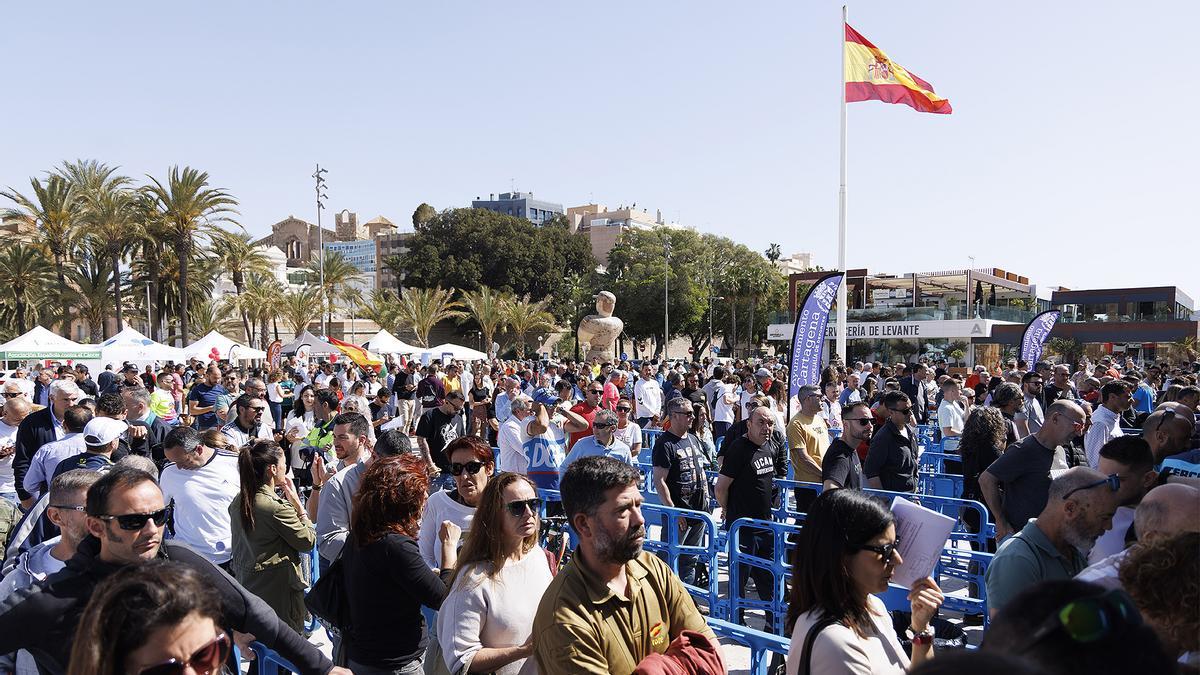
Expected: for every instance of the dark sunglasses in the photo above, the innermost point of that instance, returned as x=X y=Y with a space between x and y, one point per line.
x=204 y=661
x=12 y=395
x=133 y=522
x=886 y=551
x=1089 y=619
x=865 y=421
x=1113 y=481
x=620 y=409
x=902 y=411
x=517 y=508
x=596 y=391
x=603 y=425
x=471 y=468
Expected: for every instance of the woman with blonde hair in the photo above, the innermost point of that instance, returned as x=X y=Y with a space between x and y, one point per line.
x=486 y=621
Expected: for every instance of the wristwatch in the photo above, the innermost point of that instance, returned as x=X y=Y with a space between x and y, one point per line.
x=924 y=637
x=316 y=487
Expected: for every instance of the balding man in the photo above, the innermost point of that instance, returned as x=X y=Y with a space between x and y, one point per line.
x=1054 y=545
x=1165 y=511
x=1168 y=431
x=40 y=428
x=1024 y=468
x=16 y=409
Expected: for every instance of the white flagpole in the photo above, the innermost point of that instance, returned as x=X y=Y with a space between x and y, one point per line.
x=841 y=299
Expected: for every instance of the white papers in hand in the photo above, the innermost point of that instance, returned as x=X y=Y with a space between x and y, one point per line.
x=396 y=423
x=922 y=533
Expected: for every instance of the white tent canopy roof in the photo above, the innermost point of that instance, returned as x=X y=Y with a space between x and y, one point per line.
x=202 y=349
x=131 y=345
x=459 y=352
x=39 y=343
x=384 y=342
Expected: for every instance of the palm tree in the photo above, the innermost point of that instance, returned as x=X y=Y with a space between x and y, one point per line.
x=89 y=280
x=190 y=209
x=489 y=309
x=383 y=308
x=212 y=314
x=112 y=224
x=300 y=308
x=202 y=280
x=340 y=281
x=53 y=210
x=239 y=257
x=774 y=253
x=525 y=317
x=424 y=308
x=25 y=274
x=259 y=304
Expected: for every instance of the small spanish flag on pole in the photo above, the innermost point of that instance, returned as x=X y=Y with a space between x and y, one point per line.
x=872 y=76
x=361 y=357
x=869 y=75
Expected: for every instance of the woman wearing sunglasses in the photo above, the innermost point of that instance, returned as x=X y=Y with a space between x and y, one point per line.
x=845 y=556
x=628 y=431
x=486 y=622
x=472 y=465
x=160 y=618
x=270 y=531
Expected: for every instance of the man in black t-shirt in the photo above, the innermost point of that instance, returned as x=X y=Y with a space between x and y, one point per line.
x=679 y=477
x=405 y=388
x=744 y=491
x=840 y=467
x=440 y=425
x=892 y=458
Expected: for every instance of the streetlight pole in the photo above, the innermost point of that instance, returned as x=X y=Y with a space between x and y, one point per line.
x=321 y=197
x=666 y=293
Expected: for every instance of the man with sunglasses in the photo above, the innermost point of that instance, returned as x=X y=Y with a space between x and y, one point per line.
x=587 y=409
x=1129 y=459
x=126 y=523
x=808 y=435
x=251 y=422
x=603 y=442
x=679 y=477
x=1055 y=544
x=1025 y=469
x=840 y=468
x=892 y=458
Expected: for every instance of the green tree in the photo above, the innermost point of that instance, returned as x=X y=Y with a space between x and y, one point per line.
x=340 y=281
x=471 y=248
x=300 y=308
x=525 y=317
x=423 y=308
x=773 y=253
x=423 y=214
x=53 y=210
x=239 y=257
x=25 y=273
x=110 y=217
x=489 y=309
x=258 y=304
x=212 y=314
x=382 y=307
x=190 y=210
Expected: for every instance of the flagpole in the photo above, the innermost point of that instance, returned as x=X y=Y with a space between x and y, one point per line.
x=841 y=298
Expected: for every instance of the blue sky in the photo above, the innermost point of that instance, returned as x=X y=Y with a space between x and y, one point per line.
x=1070 y=156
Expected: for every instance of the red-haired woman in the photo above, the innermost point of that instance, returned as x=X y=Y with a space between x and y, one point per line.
x=387 y=581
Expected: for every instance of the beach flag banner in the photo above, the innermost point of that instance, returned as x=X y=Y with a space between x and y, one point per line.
x=1037 y=331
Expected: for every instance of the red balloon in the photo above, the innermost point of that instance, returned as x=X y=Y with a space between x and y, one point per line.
x=333 y=358
x=215 y=353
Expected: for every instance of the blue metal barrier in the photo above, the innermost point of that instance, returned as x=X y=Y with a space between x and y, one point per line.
x=762 y=645
x=950 y=445
x=314 y=573
x=779 y=566
x=649 y=436
x=935 y=462
x=268 y=661
x=940 y=484
x=705 y=552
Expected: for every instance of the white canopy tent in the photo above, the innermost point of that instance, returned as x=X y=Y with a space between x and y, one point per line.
x=39 y=343
x=131 y=345
x=459 y=352
x=226 y=349
x=384 y=342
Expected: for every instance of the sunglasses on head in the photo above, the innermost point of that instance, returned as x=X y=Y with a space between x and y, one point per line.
x=1090 y=619
x=471 y=468
x=886 y=550
x=517 y=508
x=1113 y=481
x=133 y=522
x=204 y=661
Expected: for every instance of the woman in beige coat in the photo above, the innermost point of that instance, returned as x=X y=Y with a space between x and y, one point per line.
x=270 y=531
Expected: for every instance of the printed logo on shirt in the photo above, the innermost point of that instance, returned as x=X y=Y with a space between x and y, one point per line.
x=545 y=457
x=658 y=635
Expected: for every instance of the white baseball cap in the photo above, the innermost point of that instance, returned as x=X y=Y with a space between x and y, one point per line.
x=103 y=430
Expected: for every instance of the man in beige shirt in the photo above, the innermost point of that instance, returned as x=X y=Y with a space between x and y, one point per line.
x=808 y=436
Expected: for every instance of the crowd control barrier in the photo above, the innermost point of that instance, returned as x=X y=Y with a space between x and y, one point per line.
x=762 y=646
x=940 y=484
x=269 y=662
x=705 y=552
x=745 y=531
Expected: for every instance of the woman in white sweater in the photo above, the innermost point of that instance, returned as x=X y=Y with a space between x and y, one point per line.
x=472 y=465
x=846 y=554
x=486 y=621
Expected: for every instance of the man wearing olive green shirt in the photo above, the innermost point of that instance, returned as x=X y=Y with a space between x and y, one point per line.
x=611 y=582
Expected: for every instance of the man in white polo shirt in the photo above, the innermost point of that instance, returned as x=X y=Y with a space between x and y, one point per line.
x=201 y=483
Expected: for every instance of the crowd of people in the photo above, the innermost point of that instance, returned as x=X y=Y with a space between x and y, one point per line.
x=157 y=516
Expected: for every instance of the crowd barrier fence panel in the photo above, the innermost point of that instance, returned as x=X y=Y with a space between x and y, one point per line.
x=268 y=661
x=762 y=645
x=783 y=536
x=940 y=484
x=706 y=552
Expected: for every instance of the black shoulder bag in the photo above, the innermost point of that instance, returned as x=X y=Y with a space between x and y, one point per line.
x=327 y=599
x=806 y=650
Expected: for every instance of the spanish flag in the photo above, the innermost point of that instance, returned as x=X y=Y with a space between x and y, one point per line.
x=872 y=76
x=361 y=357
